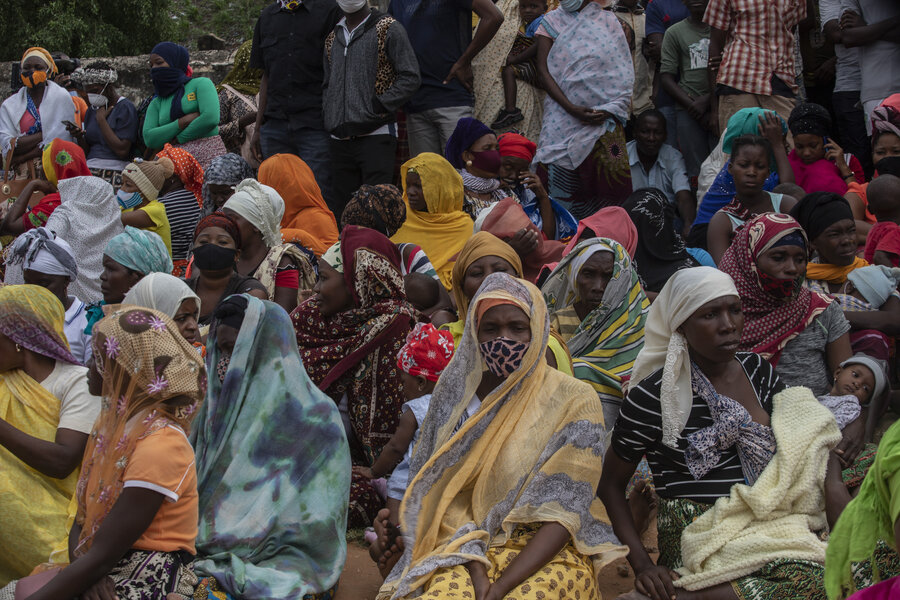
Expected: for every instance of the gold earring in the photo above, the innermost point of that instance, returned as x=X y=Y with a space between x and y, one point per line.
x=18 y=348
x=468 y=163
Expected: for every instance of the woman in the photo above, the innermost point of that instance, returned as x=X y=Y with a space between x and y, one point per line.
x=349 y=334
x=433 y=196
x=660 y=251
x=34 y=115
x=139 y=197
x=245 y=437
x=285 y=269
x=307 y=219
x=473 y=150
x=172 y=297
x=596 y=304
x=585 y=65
x=223 y=173
x=137 y=496
x=494 y=441
x=47 y=414
x=181 y=195
x=716 y=427
x=237 y=100
x=185 y=111
x=217 y=248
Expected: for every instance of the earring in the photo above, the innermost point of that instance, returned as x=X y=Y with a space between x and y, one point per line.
x=468 y=163
x=18 y=348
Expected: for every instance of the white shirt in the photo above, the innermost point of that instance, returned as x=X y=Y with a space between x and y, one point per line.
x=76 y=321
x=78 y=409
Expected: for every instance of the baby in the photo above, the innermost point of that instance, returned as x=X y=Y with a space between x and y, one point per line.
x=520 y=62
x=883 y=241
x=859 y=379
x=873 y=284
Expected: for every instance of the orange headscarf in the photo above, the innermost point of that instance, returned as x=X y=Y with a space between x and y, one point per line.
x=62 y=160
x=307 y=219
x=187 y=168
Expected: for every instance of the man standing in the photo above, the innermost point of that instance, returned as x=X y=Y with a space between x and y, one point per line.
x=287 y=45
x=440 y=32
x=631 y=14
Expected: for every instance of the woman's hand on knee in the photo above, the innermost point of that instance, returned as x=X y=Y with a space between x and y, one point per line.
x=657 y=582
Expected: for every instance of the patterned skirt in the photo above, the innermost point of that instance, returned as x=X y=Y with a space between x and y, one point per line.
x=111 y=176
x=146 y=575
x=209 y=589
x=204 y=149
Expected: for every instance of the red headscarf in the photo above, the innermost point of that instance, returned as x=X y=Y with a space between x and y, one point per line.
x=612 y=222
x=506 y=219
x=63 y=160
x=187 y=168
x=770 y=321
x=427 y=352
x=519 y=146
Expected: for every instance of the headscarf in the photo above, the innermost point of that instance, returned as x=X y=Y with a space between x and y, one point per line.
x=746 y=122
x=169 y=81
x=41 y=250
x=223 y=221
x=611 y=222
x=149 y=175
x=667 y=349
x=770 y=322
x=32 y=317
x=811 y=118
x=467 y=132
x=187 y=168
x=660 y=249
x=139 y=250
x=427 y=352
x=227 y=169
x=379 y=207
x=815 y=213
x=476 y=247
x=333 y=258
x=557 y=446
x=144 y=362
x=444 y=228
x=162 y=292
x=241 y=77
x=876 y=283
x=62 y=160
x=255 y=546
x=261 y=206
x=337 y=350
x=506 y=219
x=307 y=219
x=44 y=56
x=95 y=74
x=516 y=145
x=886 y=116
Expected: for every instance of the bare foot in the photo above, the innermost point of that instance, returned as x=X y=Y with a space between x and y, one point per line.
x=642 y=503
x=390 y=557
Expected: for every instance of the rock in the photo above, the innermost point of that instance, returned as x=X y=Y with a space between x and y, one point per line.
x=210 y=41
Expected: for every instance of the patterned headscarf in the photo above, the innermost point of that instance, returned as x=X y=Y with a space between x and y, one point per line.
x=241 y=77
x=144 y=362
x=44 y=56
x=223 y=221
x=139 y=250
x=261 y=206
x=770 y=321
x=32 y=317
x=427 y=352
x=187 y=168
x=808 y=117
x=333 y=258
x=62 y=160
x=886 y=117
x=379 y=207
x=41 y=250
x=228 y=169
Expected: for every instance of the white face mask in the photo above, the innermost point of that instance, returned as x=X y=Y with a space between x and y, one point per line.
x=351 y=6
x=98 y=100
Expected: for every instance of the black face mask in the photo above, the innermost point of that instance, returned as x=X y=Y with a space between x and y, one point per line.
x=210 y=257
x=889 y=165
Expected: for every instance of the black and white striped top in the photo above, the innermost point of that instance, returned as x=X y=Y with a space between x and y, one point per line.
x=638 y=432
x=183 y=212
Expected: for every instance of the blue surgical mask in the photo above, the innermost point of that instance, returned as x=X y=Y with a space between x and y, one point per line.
x=127 y=200
x=570 y=5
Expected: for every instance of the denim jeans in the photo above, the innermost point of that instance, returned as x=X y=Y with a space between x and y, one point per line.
x=312 y=145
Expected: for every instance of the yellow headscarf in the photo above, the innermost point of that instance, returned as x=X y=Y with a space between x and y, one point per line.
x=476 y=247
x=442 y=231
x=44 y=56
x=833 y=273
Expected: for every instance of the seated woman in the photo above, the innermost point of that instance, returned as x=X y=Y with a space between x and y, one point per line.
x=237 y=100
x=433 y=196
x=596 y=304
x=285 y=269
x=472 y=149
x=172 y=297
x=307 y=219
x=819 y=164
x=503 y=442
x=720 y=436
x=749 y=164
x=48 y=414
x=139 y=197
x=185 y=111
x=181 y=195
x=217 y=247
x=137 y=498
x=36 y=114
x=219 y=179
x=250 y=544
x=349 y=334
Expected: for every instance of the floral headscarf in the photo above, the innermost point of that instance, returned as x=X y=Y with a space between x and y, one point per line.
x=187 y=168
x=32 y=317
x=427 y=352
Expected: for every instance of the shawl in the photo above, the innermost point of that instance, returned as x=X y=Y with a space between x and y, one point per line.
x=139 y=250
x=478 y=246
x=820 y=176
x=833 y=273
x=187 y=169
x=41 y=250
x=467 y=132
x=609 y=338
x=144 y=361
x=56 y=106
x=517 y=460
x=665 y=348
x=62 y=160
x=769 y=322
x=261 y=206
x=660 y=249
x=444 y=228
x=379 y=207
x=355 y=352
x=227 y=169
x=88 y=218
x=506 y=219
x=307 y=219
x=241 y=77
x=32 y=317
x=867 y=519
x=273 y=507
x=777 y=517
x=162 y=292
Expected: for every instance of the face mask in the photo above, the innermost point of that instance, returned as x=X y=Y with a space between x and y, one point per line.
x=503 y=355
x=127 y=200
x=210 y=257
x=98 y=100
x=33 y=78
x=571 y=5
x=351 y=6
x=779 y=288
x=222 y=366
x=488 y=161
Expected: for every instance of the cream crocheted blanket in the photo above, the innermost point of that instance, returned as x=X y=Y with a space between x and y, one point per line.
x=776 y=518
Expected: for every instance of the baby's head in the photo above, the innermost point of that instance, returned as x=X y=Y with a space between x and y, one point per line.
x=883 y=195
x=529 y=10
x=861 y=376
x=422 y=291
x=874 y=284
x=423 y=358
x=790 y=189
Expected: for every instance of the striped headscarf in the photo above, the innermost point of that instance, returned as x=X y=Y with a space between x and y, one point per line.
x=32 y=317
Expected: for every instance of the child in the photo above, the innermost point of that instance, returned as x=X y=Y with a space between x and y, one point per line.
x=883 y=241
x=873 y=284
x=520 y=62
x=818 y=162
x=139 y=197
x=857 y=381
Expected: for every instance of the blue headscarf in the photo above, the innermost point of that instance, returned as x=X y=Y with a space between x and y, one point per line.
x=169 y=81
x=467 y=132
x=139 y=250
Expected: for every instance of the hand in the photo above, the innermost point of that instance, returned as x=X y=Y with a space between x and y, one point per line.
x=186 y=120
x=656 y=582
x=304 y=295
x=480 y=581
x=699 y=107
x=650 y=49
x=835 y=154
x=364 y=472
x=255 y=145
x=75 y=131
x=43 y=186
x=852 y=442
x=714 y=62
x=104 y=589
x=462 y=71
x=533 y=183
x=524 y=242
x=103 y=112
x=589 y=115
x=850 y=19
x=770 y=128
x=710 y=122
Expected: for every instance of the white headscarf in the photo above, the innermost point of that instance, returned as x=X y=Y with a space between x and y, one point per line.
x=665 y=348
x=41 y=250
x=162 y=292
x=578 y=263
x=262 y=206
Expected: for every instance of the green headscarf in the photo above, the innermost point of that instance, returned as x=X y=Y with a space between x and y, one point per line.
x=140 y=250
x=241 y=77
x=746 y=122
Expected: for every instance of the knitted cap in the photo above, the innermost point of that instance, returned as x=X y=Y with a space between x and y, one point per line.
x=149 y=175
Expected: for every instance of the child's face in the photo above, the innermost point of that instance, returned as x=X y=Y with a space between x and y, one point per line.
x=750 y=168
x=529 y=10
x=856 y=380
x=809 y=147
x=413 y=386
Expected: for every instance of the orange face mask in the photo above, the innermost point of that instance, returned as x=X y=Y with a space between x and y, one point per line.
x=34 y=78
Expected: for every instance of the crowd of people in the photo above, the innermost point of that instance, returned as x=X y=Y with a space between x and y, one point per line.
x=499 y=283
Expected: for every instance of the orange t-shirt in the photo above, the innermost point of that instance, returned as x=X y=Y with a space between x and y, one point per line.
x=164 y=462
x=81 y=109
x=860 y=190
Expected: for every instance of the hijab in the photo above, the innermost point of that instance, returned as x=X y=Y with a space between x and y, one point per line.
x=169 y=81
x=467 y=132
x=139 y=250
x=227 y=169
x=33 y=318
x=476 y=247
x=261 y=206
x=162 y=292
x=379 y=207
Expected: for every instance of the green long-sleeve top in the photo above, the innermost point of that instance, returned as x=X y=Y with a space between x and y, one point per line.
x=200 y=96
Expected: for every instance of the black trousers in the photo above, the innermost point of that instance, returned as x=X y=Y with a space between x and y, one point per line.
x=368 y=159
x=851 y=127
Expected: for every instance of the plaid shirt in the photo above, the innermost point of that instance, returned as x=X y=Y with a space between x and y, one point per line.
x=760 y=42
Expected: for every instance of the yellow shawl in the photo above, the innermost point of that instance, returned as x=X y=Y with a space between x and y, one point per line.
x=832 y=273
x=531 y=454
x=442 y=231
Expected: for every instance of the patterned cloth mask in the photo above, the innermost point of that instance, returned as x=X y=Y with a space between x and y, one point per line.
x=503 y=355
x=222 y=367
